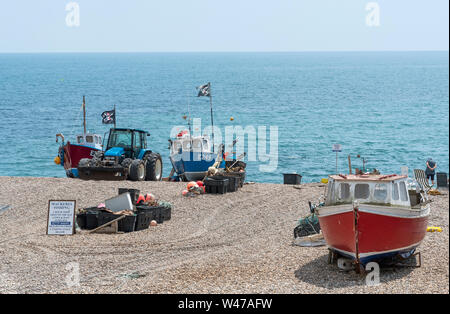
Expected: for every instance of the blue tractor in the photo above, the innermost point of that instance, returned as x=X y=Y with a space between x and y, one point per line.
x=126 y=157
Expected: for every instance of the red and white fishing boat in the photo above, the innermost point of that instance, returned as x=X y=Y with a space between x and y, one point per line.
x=70 y=154
x=373 y=217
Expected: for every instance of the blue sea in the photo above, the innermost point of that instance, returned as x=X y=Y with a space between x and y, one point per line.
x=392 y=108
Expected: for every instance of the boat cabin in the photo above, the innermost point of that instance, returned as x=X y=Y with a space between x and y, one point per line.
x=186 y=143
x=371 y=189
x=90 y=140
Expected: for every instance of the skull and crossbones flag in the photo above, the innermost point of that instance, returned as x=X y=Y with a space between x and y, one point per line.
x=204 y=90
x=109 y=117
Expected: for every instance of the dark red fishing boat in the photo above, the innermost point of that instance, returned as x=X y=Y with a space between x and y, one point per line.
x=70 y=154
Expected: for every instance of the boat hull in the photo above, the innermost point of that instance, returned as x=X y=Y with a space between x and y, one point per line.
x=372 y=233
x=72 y=154
x=192 y=165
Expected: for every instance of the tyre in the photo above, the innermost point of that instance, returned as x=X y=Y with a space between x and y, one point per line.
x=84 y=162
x=126 y=163
x=153 y=167
x=137 y=170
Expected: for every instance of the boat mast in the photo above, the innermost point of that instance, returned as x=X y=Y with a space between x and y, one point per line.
x=84 y=114
x=189 y=124
x=212 y=118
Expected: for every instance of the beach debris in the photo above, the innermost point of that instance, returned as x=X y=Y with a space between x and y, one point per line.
x=194 y=188
x=104 y=219
x=434 y=229
x=4 y=208
x=310 y=241
x=134 y=275
x=434 y=192
x=324 y=181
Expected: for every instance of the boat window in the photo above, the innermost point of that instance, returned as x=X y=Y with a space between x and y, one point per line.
x=176 y=147
x=187 y=145
x=197 y=145
x=89 y=139
x=344 y=191
x=362 y=191
x=403 y=192
x=330 y=196
x=395 y=192
x=380 y=192
x=97 y=140
x=79 y=139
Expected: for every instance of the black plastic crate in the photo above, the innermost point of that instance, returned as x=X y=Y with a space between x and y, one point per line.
x=91 y=220
x=81 y=220
x=233 y=181
x=134 y=194
x=441 y=180
x=166 y=213
x=292 y=178
x=216 y=186
x=145 y=214
x=126 y=224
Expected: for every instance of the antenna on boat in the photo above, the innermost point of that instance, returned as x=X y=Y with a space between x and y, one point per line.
x=84 y=114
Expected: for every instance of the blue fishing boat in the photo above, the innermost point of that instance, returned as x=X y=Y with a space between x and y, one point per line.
x=191 y=156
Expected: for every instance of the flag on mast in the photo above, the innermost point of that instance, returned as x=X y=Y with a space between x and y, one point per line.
x=109 y=117
x=204 y=90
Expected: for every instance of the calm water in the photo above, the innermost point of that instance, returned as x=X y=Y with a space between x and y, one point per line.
x=392 y=108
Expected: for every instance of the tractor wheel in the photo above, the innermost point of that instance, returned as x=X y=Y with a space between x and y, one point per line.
x=126 y=163
x=84 y=162
x=137 y=170
x=153 y=167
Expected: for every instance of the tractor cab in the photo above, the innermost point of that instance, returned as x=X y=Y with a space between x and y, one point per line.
x=126 y=143
x=126 y=156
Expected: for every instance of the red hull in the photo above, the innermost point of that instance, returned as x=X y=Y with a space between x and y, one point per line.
x=372 y=235
x=76 y=153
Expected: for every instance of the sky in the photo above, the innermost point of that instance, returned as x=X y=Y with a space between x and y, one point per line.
x=223 y=25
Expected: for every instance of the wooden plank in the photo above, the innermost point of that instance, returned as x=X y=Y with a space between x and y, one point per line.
x=107 y=224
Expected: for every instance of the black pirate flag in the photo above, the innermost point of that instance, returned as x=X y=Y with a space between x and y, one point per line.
x=109 y=117
x=204 y=90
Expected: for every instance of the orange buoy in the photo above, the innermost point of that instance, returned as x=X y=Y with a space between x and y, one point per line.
x=57 y=160
x=192 y=185
x=141 y=199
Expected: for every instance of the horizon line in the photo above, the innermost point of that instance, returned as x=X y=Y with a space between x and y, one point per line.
x=218 y=51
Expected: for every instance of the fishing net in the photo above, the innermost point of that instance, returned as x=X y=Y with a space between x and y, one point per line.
x=306 y=226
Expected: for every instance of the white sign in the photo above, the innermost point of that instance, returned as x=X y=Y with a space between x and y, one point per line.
x=337 y=147
x=61 y=217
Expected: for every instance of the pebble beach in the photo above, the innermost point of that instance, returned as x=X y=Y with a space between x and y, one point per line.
x=239 y=242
